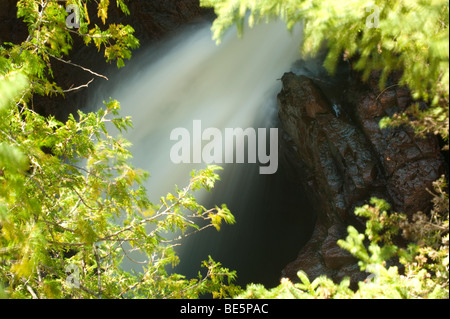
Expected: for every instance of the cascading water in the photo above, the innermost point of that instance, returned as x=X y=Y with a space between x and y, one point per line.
x=232 y=85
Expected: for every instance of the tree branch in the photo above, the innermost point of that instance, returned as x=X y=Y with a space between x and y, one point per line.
x=99 y=276
x=76 y=65
x=78 y=87
x=89 y=35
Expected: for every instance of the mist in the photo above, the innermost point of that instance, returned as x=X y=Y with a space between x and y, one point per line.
x=232 y=85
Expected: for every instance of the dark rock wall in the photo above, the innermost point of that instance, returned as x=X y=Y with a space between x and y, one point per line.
x=410 y=163
x=345 y=159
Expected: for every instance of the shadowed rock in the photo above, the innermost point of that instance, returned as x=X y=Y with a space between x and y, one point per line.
x=347 y=159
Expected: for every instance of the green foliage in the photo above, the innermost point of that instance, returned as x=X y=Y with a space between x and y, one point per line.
x=320 y=288
x=11 y=85
x=424 y=260
x=392 y=35
x=411 y=36
x=50 y=39
x=69 y=198
x=86 y=201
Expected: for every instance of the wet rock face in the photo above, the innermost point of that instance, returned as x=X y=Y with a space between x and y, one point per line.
x=410 y=164
x=332 y=148
x=345 y=159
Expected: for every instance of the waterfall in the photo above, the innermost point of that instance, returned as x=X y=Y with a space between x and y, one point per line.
x=231 y=85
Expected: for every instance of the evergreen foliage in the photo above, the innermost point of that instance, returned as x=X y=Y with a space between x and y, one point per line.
x=419 y=270
x=391 y=35
x=387 y=35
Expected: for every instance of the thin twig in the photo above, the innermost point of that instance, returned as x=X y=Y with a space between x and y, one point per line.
x=41 y=15
x=131 y=259
x=59 y=226
x=89 y=35
x=68 y=90
x=99 y=276
x=385 y=90
x=66 y=244
x=187 y=234
x=78 y=87
x=198 y=283
x=84 y=202
x=76 y=65
x=31 y=291
x=88 y=291
x=38 y=25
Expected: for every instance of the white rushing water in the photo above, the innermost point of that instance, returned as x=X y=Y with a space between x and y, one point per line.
x=231 y=85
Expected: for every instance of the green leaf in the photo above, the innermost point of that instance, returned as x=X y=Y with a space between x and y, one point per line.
x=11 y=86
x=12 y=159
x=303 y=278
